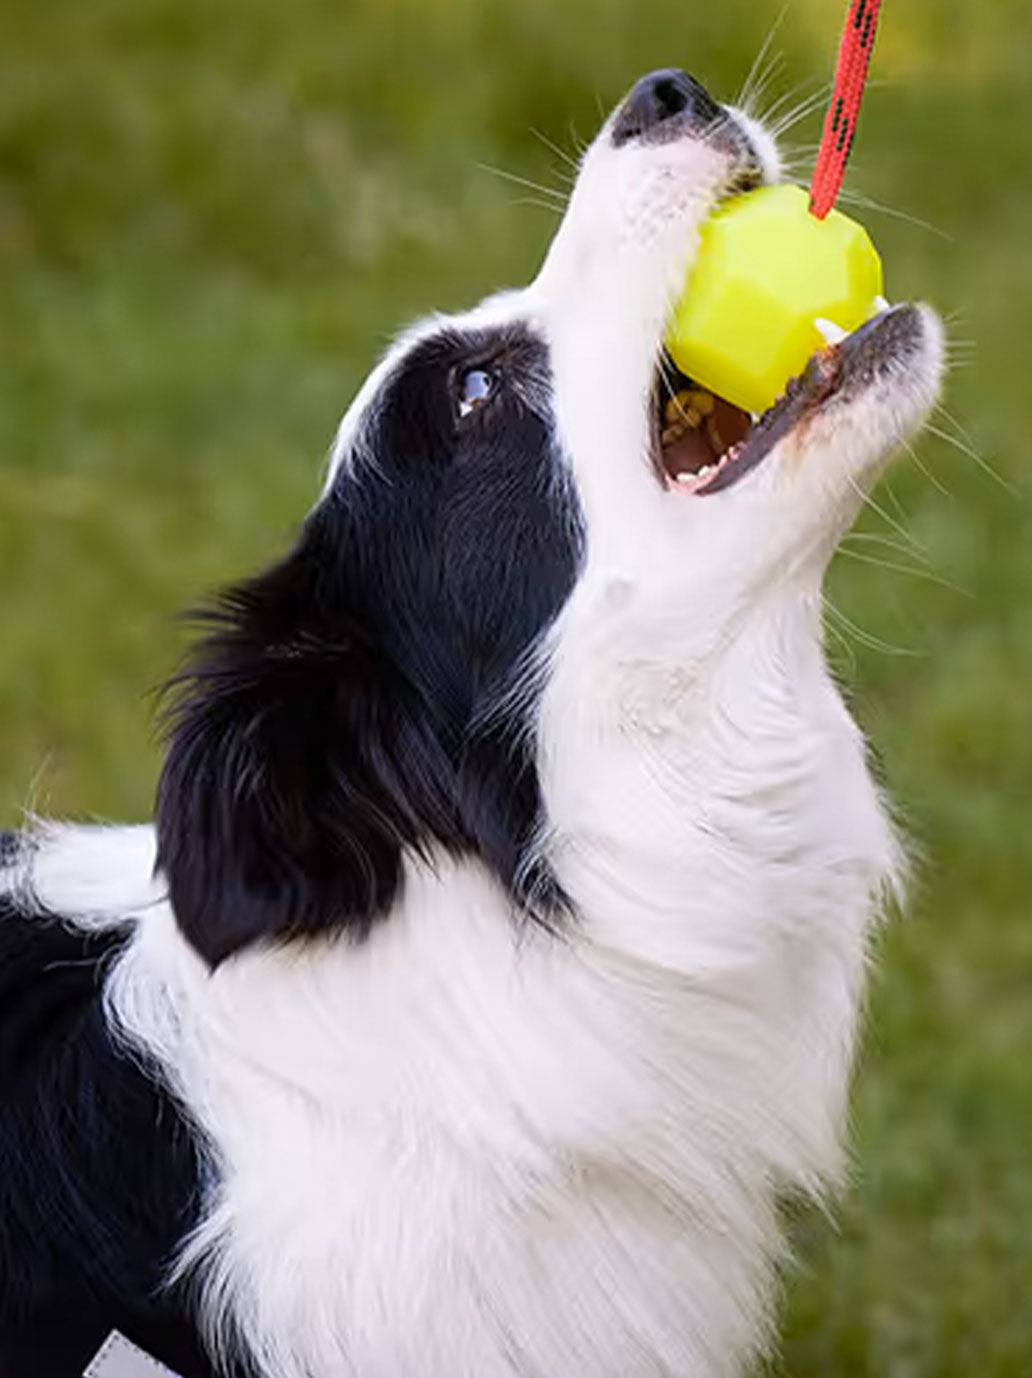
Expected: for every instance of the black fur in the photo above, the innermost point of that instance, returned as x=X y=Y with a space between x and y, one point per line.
x=353 y=701
x=98 y=1168
x=341 y=707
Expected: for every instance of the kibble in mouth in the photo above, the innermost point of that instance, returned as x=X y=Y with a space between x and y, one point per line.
x=697 y=431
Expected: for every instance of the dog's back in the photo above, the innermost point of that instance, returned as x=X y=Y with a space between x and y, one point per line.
x=98 y=1170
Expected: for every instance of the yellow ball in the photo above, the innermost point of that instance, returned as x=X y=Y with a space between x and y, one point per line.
x=766 y=269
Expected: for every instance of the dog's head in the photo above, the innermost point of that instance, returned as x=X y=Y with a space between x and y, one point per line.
x=500 y=489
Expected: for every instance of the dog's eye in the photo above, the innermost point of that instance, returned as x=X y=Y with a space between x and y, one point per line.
x=475 y=387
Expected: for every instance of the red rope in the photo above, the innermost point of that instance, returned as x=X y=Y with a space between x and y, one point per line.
x=840 y=121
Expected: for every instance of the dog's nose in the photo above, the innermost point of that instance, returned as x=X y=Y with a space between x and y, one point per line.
x=660 y=97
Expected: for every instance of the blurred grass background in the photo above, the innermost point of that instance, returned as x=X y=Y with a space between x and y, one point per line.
x=213 y=213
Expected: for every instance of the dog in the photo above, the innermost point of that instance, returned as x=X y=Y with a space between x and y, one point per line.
x=493 y=965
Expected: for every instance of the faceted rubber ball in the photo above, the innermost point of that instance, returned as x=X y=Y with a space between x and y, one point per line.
x=766 y=267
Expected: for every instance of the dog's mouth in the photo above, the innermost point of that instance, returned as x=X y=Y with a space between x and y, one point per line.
x=703 y=444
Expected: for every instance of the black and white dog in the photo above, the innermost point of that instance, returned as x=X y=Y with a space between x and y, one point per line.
x=495 y=960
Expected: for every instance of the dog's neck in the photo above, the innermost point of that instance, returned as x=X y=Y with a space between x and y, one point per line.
x=717 y=787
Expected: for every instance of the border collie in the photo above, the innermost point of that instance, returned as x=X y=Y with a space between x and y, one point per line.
x=494 y=963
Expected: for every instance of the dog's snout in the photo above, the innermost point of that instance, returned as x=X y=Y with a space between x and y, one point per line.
x=657 y=99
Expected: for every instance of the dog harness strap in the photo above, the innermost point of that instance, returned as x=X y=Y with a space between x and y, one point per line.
x=840 y=121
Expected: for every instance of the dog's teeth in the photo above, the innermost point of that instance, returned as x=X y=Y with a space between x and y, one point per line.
x=706 y=469
x=880 y=304
x=832 y=333
x=685 y=478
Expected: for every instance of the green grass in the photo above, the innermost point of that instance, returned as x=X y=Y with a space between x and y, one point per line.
x=212 y=215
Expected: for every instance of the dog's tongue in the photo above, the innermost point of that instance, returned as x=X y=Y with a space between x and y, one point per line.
x=688 y=452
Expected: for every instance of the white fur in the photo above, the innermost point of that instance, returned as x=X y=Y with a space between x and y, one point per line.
x=468 y=1148
x=97 y=875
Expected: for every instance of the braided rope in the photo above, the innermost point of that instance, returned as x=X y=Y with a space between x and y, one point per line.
x=840 y=122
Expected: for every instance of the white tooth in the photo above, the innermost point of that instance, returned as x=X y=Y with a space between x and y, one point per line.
x=685 y=478
x=833 y=334
x=880 y=304
x=706 y=469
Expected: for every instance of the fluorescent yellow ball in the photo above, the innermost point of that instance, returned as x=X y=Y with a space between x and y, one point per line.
x=766 y=268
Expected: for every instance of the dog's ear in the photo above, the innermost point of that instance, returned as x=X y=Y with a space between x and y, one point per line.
x=300 y=764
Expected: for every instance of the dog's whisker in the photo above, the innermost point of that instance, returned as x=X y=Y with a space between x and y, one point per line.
x=567 y=158
x=904 y=516
x=800 y=112
x=795 y=118
x=791 y=152
x=767 y=117
x=868 y=500
x=771 y=71
x=580 y=145
x=713 y=132
x=565 y=179
x=923 y=468
x=856 y=198
x=559 y=196
x=746 y=90
x=972 y=453
x=961 y=430
x=548 y=206
x=866 y=638
x=798 y=174
x=754 y=82
x=830 y=629
x=896 y=568
x=889 y=542
x=808 y=101
x=880 y=541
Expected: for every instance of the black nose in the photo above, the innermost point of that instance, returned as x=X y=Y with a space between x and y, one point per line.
x=660 y=97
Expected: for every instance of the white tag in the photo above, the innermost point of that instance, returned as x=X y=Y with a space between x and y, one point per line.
x=118 y=1357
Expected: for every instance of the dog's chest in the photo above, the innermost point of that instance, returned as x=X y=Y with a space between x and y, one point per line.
x=448 y=1150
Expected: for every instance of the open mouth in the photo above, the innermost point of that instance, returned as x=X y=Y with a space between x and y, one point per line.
x=706 y=444
x=703 y=444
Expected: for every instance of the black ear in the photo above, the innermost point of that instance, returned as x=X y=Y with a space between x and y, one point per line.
x=300 y=764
